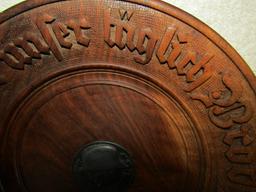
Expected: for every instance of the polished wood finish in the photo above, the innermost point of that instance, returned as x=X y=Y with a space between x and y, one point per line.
x=142 y=74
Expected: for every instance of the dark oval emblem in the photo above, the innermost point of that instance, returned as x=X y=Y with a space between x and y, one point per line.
x=103 y=166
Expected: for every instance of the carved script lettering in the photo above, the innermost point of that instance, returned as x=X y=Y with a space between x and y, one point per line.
x=54 y=33
x=22 y=50
x=244 y=176
x=120 y=32
x=115 y=31
x=47 y=27
x=229 y=110
x=180 y=59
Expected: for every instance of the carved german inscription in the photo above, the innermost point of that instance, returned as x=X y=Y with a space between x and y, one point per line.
x=31 y=45
x=46 y=24
x=230 y=111
x=121 y=33
x=145 y=44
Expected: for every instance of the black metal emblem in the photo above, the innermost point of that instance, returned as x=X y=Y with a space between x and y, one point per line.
x=103 y=167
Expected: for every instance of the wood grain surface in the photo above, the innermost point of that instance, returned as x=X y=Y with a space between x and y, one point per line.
x=142 y=74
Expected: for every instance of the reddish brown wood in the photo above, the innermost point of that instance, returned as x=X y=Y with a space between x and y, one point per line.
x=142 y=74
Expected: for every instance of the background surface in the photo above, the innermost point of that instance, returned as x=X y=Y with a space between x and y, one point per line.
x=234 y=20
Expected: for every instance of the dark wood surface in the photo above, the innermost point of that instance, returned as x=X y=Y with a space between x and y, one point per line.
x=142 y=74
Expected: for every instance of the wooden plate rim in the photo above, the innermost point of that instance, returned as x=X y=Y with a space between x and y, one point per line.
x=164 y=8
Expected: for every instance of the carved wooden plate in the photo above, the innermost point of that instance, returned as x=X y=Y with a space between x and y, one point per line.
x=122 y=95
